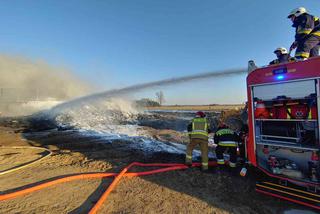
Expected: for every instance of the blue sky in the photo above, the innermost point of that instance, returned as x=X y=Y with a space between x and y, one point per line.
x=117 y=43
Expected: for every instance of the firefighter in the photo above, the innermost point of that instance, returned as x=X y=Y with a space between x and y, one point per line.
x=226 y=139
x=307 y=38
x=282 y=56
x=198 y=129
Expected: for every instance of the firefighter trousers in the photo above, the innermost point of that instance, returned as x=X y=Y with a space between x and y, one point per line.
x=309 y=47
x=204 y=151
x=232 y=152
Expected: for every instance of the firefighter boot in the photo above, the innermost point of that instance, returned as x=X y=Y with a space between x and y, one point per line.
x=188 y=161
x=204 y=166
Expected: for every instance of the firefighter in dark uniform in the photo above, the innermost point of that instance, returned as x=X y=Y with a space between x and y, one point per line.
x=282 y=56
x=307 y=38
x=226 y=139
x=199 y=130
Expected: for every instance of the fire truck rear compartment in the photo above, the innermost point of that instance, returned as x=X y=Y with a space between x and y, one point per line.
x=287 y=132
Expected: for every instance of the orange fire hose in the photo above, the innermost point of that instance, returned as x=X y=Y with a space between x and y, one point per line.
x=54 y=182
x=109 y=189
x=123 y=173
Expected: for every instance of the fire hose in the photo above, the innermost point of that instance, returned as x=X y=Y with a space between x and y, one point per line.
x=118 y=176
x=28 y=163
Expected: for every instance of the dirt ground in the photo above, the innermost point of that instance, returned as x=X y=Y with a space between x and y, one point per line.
x=184 y=191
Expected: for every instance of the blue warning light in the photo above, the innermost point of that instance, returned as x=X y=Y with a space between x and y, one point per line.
x=280 y=77
x=279 y=73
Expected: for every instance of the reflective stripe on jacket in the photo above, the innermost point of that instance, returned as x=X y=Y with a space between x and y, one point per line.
x=200 y=128
x=284 y=58
x=306 y=24
x=227 y=143
x=226 y=137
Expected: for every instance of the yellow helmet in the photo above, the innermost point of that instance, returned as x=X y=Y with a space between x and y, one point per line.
x=297 y=12
x=282 y=50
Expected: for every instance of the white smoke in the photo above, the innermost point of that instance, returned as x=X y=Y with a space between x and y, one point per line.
x=27 y=86
x=28 y=108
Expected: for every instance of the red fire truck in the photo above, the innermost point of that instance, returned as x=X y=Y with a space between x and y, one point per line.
x=283 y=140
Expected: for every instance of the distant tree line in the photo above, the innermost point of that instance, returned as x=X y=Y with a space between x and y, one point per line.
x=145 y=102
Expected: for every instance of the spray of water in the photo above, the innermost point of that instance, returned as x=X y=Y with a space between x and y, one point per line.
x=108 y=111
x=139 y=87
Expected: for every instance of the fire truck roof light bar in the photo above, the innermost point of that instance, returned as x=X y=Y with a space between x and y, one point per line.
x=280 y=71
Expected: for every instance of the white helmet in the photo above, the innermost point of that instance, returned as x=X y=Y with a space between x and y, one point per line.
x=297 y=12
x=282 y=50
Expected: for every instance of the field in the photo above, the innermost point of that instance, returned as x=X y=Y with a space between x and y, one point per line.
x=183 y=191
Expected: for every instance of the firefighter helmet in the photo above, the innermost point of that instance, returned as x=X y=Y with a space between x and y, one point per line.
x=200 y=114
x=282 y=50
x=297 y=12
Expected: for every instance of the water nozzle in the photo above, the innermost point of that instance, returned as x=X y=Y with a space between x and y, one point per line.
x=251 y=66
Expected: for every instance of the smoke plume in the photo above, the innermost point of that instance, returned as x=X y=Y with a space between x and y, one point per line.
x=27 y=86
